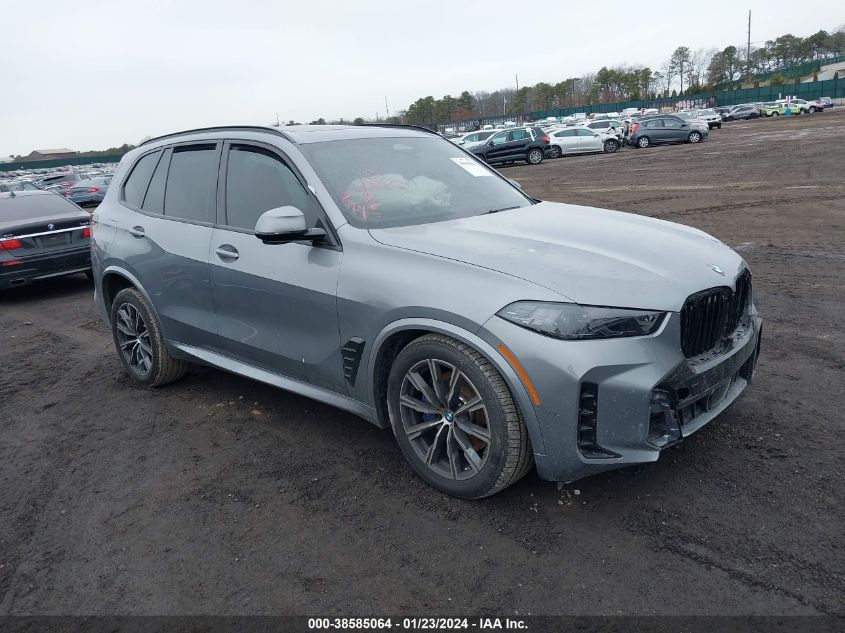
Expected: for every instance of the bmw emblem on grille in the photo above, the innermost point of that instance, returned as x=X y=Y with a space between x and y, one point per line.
x=51 y=226
x=716 y=269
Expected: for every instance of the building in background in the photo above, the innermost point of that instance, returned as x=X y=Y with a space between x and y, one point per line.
x=51 y=154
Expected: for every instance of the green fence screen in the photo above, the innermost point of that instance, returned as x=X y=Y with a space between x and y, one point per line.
x=59 y=162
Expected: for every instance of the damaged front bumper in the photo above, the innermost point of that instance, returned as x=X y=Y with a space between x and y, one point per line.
x=616 y=402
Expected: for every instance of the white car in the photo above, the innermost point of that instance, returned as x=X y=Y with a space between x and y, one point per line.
x=613 y=127
x=711 y=117
x=695 y=122
x=473 y=138
x=580 y=140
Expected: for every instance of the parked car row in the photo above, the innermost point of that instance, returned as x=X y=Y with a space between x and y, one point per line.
x=85 y=185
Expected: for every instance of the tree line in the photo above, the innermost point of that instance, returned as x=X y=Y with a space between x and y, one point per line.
x=686 y=71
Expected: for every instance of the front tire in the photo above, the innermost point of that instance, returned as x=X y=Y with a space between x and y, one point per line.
x=555 y=152
x=455 y=419
x=139 y=343
x=534 y=156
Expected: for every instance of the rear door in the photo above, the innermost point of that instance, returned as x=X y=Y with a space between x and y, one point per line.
x=567 y=140
x=518 y=142
x=166 y=242
x=655 y=130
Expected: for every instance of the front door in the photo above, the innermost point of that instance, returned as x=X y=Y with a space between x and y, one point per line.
x=497 y=146
x=276 y=304
x=589 y=141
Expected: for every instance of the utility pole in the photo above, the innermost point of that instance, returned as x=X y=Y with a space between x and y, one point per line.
x=386 y=109
x=748 y=50
x=504 y=104
x=517 y=82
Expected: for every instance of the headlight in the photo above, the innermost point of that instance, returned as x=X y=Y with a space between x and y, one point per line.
x=573 y=322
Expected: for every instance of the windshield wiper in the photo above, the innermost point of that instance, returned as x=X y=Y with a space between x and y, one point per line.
x=503 y=209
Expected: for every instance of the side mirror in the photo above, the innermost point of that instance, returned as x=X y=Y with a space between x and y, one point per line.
x=285 y=224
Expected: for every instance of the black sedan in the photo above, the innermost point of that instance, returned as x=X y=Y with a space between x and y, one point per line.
x=42 y=235
x=88 y=193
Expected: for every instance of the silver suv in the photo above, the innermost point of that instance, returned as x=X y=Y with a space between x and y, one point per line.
x=388 y=272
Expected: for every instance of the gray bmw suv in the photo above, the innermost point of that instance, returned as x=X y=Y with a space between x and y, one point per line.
x=390 y=273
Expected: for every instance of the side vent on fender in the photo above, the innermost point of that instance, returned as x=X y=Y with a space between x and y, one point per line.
x=351 y=353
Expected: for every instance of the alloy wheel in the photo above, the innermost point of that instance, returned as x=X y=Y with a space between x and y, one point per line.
x=133 y=337
x=445 y=419
x=535 y=156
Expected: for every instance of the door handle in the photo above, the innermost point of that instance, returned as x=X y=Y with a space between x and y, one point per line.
x=227 y=252
x=137 y=231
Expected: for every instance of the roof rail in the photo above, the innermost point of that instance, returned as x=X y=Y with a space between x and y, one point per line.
x=402 y=125
x=250 y=128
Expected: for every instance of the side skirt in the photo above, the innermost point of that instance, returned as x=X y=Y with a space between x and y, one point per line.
x=262 y=375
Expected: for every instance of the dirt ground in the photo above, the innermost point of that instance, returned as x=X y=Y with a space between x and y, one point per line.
x=221 y=495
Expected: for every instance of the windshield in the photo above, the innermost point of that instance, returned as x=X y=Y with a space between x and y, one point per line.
x=706 y=113
x=385 y=182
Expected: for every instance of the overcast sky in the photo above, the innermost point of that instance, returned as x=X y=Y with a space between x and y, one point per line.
x=91 y=75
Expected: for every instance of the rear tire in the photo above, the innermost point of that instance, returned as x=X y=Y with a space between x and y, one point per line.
x=534 y=156
x=610 y=146
x=694 y=137
x=555 y=152
x=494 y=453
x=775 y=114
x=139 y=343
x=643 y=142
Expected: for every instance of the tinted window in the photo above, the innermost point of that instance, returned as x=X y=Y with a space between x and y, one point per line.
x=154 y=200
x=257 y=181
x=470 y=138
x=654 y=123
x=672 y=123
x=599 y=124
x=484 y=135
x=191 y=182
x=519 y=135
x=136 y=184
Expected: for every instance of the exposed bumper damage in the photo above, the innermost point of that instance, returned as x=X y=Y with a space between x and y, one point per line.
x=613 y=403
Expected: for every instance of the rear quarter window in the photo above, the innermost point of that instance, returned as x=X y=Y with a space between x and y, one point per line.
x=139 y=178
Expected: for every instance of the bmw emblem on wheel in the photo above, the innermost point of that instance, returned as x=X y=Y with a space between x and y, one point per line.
x=716 y=269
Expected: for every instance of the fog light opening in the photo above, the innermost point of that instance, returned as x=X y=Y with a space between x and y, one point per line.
x=663 y=427
x=588 y=407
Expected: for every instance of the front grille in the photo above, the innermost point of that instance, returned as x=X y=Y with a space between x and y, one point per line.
x=710 y=315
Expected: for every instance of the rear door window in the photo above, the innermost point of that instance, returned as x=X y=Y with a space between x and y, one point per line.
x=519 y=135
x=191 y=189
x=656 y=123
x=154 y=200
x=136 y=184
x=671 y=123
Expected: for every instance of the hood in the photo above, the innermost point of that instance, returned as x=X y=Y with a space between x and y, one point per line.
x=587 y=255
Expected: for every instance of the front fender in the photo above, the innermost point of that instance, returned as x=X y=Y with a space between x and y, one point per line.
x=517 y=389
